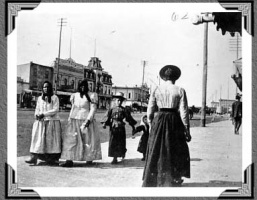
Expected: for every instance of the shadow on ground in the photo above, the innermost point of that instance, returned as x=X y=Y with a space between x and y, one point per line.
x=214 y=183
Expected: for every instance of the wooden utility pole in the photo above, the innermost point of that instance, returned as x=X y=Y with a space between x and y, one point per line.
x=59 y=51
x=204 y=86
x=144 y=63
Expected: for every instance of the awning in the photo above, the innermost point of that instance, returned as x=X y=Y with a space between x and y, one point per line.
x=228 y=22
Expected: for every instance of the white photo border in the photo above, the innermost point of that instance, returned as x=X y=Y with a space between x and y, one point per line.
x=12 y=189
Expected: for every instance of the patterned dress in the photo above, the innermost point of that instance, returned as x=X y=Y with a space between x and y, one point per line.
x=167 y=155
x=114 y=118
x=82 y=145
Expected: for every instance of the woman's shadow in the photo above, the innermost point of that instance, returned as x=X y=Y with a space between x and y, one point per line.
x=135 y=163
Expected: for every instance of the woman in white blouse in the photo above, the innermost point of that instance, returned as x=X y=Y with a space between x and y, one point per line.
x=46 y=131
x=167 y=159
x=81 y=141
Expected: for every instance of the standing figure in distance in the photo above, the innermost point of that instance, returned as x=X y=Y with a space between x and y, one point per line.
x=81 y=141
x=144 y=127
x=167 y=157
x=114 y=118
x=237 y=114
x=46 y=131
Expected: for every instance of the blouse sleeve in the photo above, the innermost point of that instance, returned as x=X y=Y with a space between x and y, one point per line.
x=151 y=108
x=107 y=118
x=129 y=118
x=72 y=98
x=139 y=129
x=94 y=98
x=37 y=110
x=93 y=106
x=183 y=108
x=55 y=109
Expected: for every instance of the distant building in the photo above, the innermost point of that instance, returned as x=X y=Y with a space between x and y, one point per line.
x=133 y=95
x=101 y=82
x=21 y=87
x=70 y=75
x=223 y=105
x=35 y=74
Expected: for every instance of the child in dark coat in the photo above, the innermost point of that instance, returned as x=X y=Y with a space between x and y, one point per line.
x=144 y=127
x=114 y=119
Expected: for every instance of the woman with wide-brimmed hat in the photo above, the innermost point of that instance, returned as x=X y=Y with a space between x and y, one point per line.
x=114 y=119
x=167 y=159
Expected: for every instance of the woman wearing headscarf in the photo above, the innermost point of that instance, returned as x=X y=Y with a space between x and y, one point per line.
x=46 y=131
x=167 y=159
x=81 y=141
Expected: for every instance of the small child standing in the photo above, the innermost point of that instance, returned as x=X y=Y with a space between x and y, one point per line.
x=144 y=127
x=114 y=119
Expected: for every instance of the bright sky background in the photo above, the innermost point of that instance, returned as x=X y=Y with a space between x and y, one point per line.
x=125 y=35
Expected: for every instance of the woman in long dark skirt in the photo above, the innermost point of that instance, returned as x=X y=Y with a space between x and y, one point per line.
x=114 y=118
x=167 y=158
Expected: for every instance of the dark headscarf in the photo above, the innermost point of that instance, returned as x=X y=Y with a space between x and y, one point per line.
x=49 y=94
x=85 y=84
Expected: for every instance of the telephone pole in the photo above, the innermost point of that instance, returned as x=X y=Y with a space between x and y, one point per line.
x=144 y=63
x=62 y=22
x=204 y=19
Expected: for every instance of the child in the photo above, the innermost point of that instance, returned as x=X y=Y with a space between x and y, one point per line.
x=114 y=118
x=144 y=127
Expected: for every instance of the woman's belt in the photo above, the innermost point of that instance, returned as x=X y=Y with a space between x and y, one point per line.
x=168 y=110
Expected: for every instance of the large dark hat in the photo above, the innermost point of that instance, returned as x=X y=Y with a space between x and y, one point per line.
x=119 y=95
x=238 y=96
x=170 y=72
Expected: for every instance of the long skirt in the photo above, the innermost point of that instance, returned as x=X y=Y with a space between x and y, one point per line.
x=82 y=145
x=167 y=155
x=117 y=142
x=142 y=145
x=46 y=139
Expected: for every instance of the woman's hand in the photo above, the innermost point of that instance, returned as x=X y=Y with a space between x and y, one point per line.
x=104 y=126
x=87 y=123
x=40 y=117
x=188 y=136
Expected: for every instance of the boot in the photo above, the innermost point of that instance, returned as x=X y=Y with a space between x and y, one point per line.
x=68 y=163
x=32 y=159
x=114 y=161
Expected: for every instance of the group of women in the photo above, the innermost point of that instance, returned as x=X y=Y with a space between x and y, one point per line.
x=166 y=157
x=80 y=141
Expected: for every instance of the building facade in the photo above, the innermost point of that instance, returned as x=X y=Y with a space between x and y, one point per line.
x=135 y=96
x=101 y=82
x=35 y=75
x=70 y=74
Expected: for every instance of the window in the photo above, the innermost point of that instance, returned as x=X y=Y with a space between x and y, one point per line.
x=129 y=95
x=47 y=75
x=34 y=71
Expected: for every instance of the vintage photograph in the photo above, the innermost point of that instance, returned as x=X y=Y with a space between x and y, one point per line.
x=137 y=96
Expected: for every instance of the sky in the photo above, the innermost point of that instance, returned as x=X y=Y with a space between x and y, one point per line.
x=123 y=35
